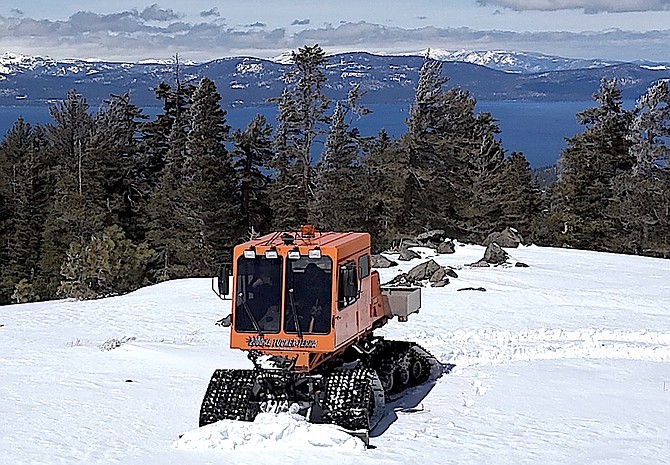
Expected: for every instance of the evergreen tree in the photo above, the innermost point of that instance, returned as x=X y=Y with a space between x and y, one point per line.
x=73 y=214
x=443 y=137
x=120 y=186
x=22 y=173
x=339 y=185
x=167 y=211
x=107 y=264
x=482 y=211
x=193 y=212
x=209 y=179
x=385 y=163
x=252 y=156
x=641 y=201
x=300 y=121
x=159 y=133
x=581 y=198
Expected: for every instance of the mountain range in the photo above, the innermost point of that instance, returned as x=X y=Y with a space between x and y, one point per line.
x=248 y=81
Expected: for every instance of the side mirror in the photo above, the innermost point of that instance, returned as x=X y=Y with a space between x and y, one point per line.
x=223 y=284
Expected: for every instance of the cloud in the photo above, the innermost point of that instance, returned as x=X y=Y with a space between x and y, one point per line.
x=211 y=12
x=588 y=6
x=155 y=13
x=128 y=36
x=300 y=22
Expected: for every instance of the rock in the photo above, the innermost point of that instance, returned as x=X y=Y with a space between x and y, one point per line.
x=451 y=273
x=423 y=271
x=225 y=321
x=431 y=238
x=509 y=237
x=439 y=275
x=446 y=247
x=481 y=289
x=406 y=254
x=495 y=255
x=402 y=280
x=380 y=261
x=480 y=264
x=406 y=242
x=521 y=265
x=441 y=283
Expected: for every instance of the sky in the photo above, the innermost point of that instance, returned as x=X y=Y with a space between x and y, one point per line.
x=202 y=30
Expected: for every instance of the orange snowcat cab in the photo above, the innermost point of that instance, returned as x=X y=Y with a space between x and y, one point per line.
x=305 y=305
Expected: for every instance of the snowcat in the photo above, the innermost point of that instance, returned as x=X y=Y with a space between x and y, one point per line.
x=305 y=305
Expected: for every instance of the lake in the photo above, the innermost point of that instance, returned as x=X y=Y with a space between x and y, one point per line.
x=538 y=129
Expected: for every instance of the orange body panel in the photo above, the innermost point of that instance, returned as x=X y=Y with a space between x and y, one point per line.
x=348 y=322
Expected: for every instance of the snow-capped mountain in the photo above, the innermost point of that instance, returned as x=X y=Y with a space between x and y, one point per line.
x=493 y=75
x=517 y=62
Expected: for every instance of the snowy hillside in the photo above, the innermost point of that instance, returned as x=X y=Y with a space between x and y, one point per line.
x=564 y=362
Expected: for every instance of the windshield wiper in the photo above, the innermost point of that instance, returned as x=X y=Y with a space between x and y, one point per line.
x=294 y=312
x=250 y=314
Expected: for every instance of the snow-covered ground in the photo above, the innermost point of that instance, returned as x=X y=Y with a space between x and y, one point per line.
x=566 y=362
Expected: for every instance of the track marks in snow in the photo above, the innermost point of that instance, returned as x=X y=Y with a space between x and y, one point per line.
x=493 y=347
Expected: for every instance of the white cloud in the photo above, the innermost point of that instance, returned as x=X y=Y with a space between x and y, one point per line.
x=155 y=13
x=130 y=36
x=588 y=6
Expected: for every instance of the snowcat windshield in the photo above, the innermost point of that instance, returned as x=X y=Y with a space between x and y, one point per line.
x=258 y=294
x=308 y=295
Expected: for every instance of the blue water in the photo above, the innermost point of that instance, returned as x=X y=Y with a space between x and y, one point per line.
x=538 y=129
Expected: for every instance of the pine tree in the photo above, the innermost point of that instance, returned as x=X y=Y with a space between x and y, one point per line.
x=159 y=133
x=339 y=185
x=74 y=214
x=300 y=121
x=167 y=232
x=210 y=190
x=385 y=163
x=120 y=186
x=107 y=264
x=442 y=136
x=193 y=211
x=252 y=156
x=641 y=203
x=581 y=198
x=23 y=189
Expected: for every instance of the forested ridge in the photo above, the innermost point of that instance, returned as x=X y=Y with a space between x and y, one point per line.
x=99 y=203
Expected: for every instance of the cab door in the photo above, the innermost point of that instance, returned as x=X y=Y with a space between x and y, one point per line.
x=346 y=318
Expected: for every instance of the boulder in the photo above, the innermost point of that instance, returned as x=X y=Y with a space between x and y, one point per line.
x=431 y=238
x=480 y=264
x=495 y=255
x=406 y=254
x=521 y=265
x=403 y=280
x=509 y=237
x=450 y=272
x=423 y=271
x=439 y=278
x=446 y=247
x=380 y=261
x=439 y=275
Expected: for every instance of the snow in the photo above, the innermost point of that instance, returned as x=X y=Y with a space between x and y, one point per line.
x=563 y=362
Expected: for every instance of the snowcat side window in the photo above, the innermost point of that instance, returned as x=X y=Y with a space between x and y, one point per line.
x=347 y=284
x=308 y=295
x=364 y=265
x=258 y=294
